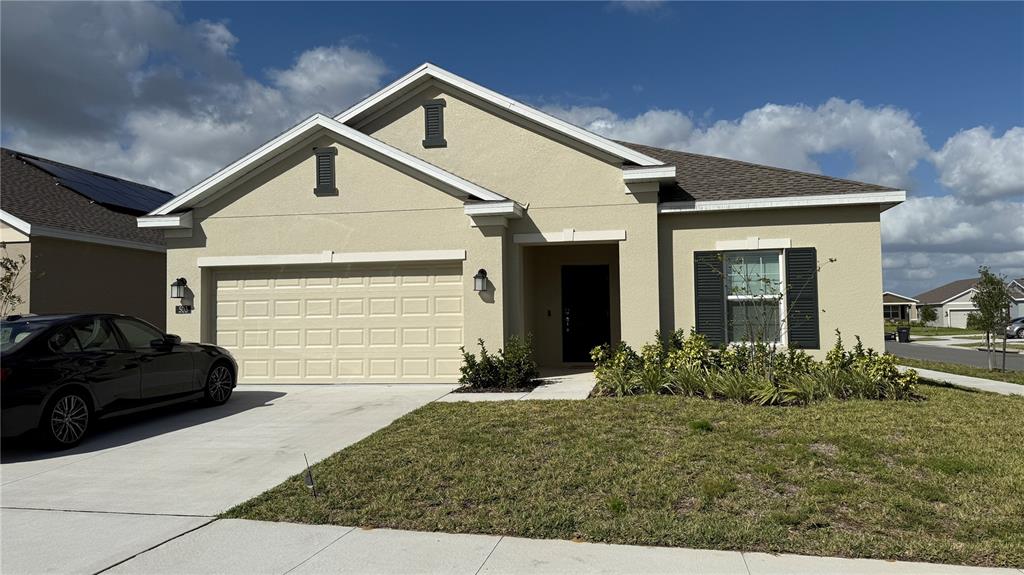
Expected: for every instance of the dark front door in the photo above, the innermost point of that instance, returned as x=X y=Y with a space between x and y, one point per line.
x=586 y=311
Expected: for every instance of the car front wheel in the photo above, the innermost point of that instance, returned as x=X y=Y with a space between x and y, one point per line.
x=219 y=384
x=1020 y=333
x=66 y=420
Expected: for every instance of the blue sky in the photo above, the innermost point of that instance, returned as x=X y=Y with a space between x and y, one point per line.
x=927 y=97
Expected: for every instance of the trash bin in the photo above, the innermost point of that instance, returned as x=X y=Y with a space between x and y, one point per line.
x=903 y=334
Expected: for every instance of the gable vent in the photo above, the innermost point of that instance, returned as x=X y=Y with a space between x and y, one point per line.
x=325 y=178
x=433 y=117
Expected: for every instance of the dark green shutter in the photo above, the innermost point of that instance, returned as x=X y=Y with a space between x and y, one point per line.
x=802 y=297
x=325 y=178
x=433 y=119
x=709 y=288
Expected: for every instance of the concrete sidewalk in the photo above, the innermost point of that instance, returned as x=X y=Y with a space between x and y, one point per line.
x=251 y=547
x=1000 y=387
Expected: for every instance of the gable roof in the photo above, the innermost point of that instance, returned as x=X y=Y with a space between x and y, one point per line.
x=36 y=202
x=304 y=129
x=949 y=291
x=893 y=297
x=708 y=178
x=427 y=71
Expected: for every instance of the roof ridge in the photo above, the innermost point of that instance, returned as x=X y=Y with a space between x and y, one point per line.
x=763 y=166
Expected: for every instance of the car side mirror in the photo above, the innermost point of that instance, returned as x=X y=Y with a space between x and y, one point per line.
x=169 y=340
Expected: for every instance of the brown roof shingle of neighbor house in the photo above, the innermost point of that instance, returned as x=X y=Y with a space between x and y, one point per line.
x=703 y=178
x=945 y=292
x=41 y=198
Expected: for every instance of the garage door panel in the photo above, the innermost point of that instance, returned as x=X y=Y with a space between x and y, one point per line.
x=360 y=323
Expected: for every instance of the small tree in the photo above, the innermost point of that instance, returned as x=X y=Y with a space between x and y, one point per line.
x=993 y=300
x=928 y=315
x=10 y=281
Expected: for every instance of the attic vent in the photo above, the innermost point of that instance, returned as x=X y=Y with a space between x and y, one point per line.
x=433 y=116
x=325 y=182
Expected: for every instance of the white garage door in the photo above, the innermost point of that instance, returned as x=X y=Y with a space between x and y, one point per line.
x=342 y=323
x=958 y=317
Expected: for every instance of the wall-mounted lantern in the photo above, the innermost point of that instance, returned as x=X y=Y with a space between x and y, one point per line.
x=178 y=288
x=480 y=281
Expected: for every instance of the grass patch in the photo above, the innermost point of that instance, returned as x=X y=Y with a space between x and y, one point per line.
x=935 y=330
x=959 y=369
x=937 y=480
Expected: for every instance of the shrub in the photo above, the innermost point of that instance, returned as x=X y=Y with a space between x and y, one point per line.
x=685 y=364
x=511 y=368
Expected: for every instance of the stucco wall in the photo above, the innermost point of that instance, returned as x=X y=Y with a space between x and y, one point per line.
x=23 y=287
x=11 y=235
x=847 y=289
x=562 y=186
x=72 y=276
x=378 y=209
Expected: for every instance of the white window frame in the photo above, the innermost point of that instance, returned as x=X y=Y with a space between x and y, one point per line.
x=783 y=340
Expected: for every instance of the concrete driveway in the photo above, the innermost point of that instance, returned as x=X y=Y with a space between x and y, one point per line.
x=141 y=480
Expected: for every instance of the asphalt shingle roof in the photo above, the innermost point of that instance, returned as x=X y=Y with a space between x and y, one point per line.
x=34 y=195
x=944 y=292
x=703 y=178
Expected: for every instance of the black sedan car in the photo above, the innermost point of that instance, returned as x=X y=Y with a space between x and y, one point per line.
x=59 y=373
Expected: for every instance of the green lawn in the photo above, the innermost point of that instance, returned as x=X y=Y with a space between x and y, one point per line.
x=937 y=480
x=1007 y=376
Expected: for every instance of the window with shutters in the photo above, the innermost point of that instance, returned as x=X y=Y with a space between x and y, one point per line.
x=433 y=118
x=753 y=286
x=325 y=176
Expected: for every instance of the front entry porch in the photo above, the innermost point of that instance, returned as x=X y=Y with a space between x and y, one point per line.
x=571 y=301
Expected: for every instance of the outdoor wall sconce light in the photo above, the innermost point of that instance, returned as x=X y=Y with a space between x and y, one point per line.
x=178 y=288
x=480 y=281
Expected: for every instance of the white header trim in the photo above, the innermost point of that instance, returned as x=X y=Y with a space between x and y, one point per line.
x=570 y=236
x=885 y=293
x=429 y=70
x=790 y=202
x=177 y=221
x=652 y=174
x=304 y=128
x=16 y=222
x=753 y=243
x=507 y=208
x=329 y=257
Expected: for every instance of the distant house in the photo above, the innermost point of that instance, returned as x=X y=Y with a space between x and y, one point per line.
x=1017 y=293
x=78 y=232
x=951 y=301
x=897 y=308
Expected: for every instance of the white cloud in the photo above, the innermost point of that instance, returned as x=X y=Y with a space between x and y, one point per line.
x=156 y=99
x=980 y=167
x=884 y=142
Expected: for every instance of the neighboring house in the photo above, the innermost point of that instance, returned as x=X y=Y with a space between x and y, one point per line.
x=952 y=302
x=350 y=248
x=897 y=308
x=1017 y=293
x=77 y=230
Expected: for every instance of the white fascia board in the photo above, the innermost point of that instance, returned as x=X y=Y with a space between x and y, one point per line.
x=314 y=122
x=570 y=236
x=329 y=257
x=507 y=208
x=899 y=295
x=548 y=121
x=16 y=222
x=651 y=174
x=42 y=231
x=179 y=221
x=894 y=197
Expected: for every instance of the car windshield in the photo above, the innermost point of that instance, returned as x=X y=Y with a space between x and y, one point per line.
x=14 y=334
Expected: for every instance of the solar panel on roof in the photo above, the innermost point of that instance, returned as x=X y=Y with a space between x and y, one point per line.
x=104 y=189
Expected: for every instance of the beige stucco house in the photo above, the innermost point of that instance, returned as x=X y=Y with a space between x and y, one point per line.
x=78 y=233
x=349 y=248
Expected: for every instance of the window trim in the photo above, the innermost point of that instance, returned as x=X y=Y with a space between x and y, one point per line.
x=780 y=297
